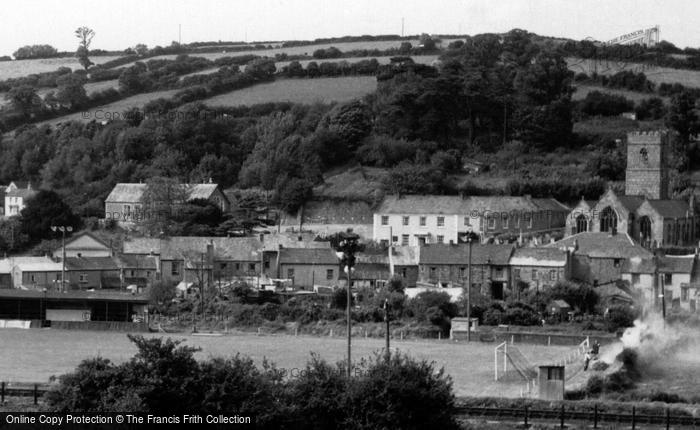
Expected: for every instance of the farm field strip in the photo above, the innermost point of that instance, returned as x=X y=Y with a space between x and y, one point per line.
x=689 y=78
x=90 y=88
x=19 y=68
x=583 y=90
x=322 y=90
x=469 y=365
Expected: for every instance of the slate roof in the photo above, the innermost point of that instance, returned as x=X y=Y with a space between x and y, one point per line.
x=92 y=263
x=225 y=248
x=74 y=295
x=676 y=264
x=631 y=203
x=90 y=235
x=638 y=265
x=550 y=257
x=602 y=245
x=459 y=254
x=324 y=256
x=561 y=303
x=137 y=262
x=670 y=208
x=371 y=271
x=456 y=205
x=126 y=192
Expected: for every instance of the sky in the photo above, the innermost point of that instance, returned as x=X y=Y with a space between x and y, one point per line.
x=124 y=23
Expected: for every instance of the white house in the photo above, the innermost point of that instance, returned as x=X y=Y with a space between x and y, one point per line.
x=416 y=220
x=677 y=275
x=16 y=196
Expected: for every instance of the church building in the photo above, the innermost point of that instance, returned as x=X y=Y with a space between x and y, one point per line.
x=645 y=212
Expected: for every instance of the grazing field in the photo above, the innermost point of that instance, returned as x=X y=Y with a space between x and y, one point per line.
x=420 y=59
x=24 y=356
x=302 y=50
x=583 y=90
x=18 y=68
x=112 y=110
x=689 y=78
x=324 y=90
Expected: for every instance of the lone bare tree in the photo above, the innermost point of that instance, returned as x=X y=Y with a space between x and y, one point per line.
x=85 y=35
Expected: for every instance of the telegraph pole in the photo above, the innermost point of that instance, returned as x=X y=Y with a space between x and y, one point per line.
x=388 y=336
x=469 y=289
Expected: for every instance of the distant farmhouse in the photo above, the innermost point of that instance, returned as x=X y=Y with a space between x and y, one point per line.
x=125 y=202
x=16 y=196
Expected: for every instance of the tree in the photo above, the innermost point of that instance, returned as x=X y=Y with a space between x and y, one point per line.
x=160 y=201
x=35 y=51
x=71 y=92
x=84 y=35
x=140 y=49
x=25 y=100
x=44 y=210
x=682 y=117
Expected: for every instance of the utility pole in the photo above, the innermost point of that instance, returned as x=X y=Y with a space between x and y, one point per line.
x=402 y=22
x=388 y=336
x=179 y=34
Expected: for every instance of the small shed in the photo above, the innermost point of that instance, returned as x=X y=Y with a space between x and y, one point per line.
x=460 y=326
x=559 y=308
x=551 y=379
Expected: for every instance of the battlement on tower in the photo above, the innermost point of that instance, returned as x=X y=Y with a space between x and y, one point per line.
x=645 y=137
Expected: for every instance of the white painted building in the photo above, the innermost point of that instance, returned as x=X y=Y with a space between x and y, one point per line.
x=16 y=196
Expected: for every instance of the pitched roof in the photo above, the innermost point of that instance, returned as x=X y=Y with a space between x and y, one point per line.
x=676 y=264
x=638 y=265
x=92 y=263
x=126 y=192
x=371 y=271
x=456 y=205
x=459 y=254
x=670 y=208
x=137 y=262
x=561 y=303
x=308 y=256
x=602 y=245
x=77 y=236
x=6 y=264
x=405 y=255
x=631 y=203
x=20 y=184
x=21 y=192
x=551 y=257
x=225 y=248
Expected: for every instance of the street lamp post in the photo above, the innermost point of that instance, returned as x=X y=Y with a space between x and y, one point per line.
x=469 y=287
x=347 y=248
x=63 y=229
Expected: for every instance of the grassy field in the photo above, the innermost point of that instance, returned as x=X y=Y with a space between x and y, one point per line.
x=18 y=68
x=583 y=90
x=302 y=50
x=323 y=90
x=90 y=88
x=35 y=355
x=689 y=78
x=420 y=59
x=112 y=110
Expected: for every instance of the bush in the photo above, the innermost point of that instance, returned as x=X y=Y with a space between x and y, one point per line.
x=620 y=317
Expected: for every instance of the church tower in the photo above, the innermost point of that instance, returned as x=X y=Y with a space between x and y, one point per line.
x=647 y=171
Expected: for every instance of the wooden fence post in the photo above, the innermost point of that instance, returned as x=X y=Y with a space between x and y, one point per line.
x=668 y=418
x=562 y=416
x=525 y=416
x=595 y=416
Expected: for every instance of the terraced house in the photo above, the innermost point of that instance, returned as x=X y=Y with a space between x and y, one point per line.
x=416 y=220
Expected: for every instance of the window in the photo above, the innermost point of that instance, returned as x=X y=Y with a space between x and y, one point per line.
x=175 y=269
x=267 y=264
x=127 y=210
x=394 y=239
x=516 y=221
x=491 y=222
x=552 y=275
x=441 y=221
x=432 y=271
x=83 y=278
x=422 y=221
x=385 y=220
x=251 y=267
x=534 y=274
x=505 y=221
x=238 y=266
x=635 y=278
x=516 y=273
x=528 y=218
x=148 y=273
x=668 y=278
x=405 y=220
x=384 y=242
x=329 y=274
x=404 y=239
x=223 y=266
x=440 y=238
x=290 y=273
x=403 y=272
x=616 y=262
x=132 y=273
x=31 y=278
x=684 y=294
x=462 y=271
x=466 y=220
x=498 y=273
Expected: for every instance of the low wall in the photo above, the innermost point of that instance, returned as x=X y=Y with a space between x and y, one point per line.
x=100 y=325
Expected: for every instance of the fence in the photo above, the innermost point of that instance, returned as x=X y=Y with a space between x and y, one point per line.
x=562 y=415
x=24 y=390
